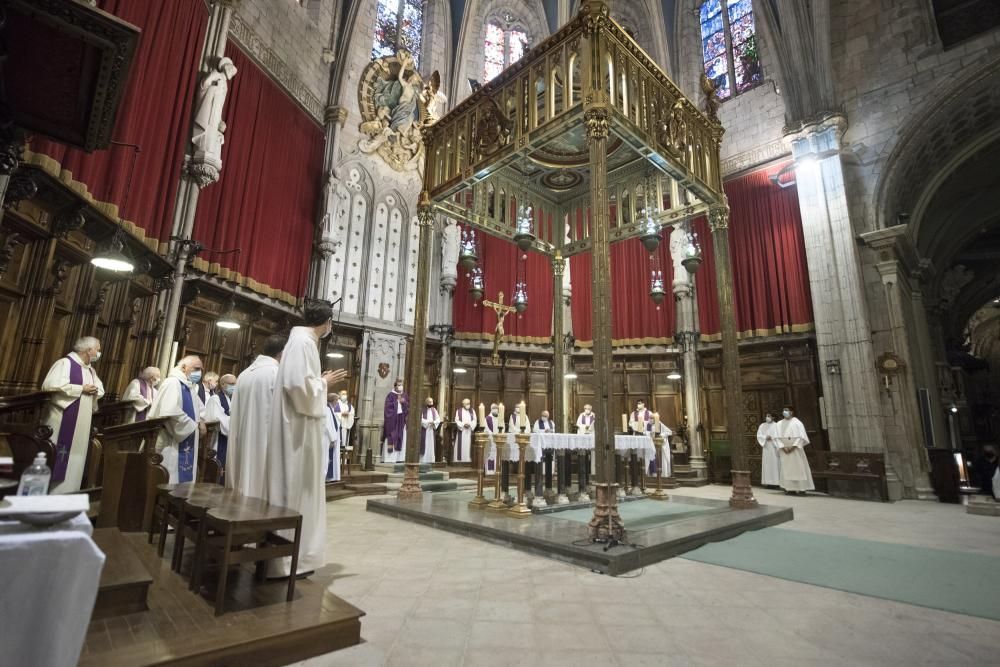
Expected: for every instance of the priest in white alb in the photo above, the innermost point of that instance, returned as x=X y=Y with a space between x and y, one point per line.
x=178 y=401
x=298 y=445
x=770 y=464
x=75 y=390
x=796 y=478
x=585 y=422
x=345 y=420
x=493 y=424
x=250 y=419
x=141 y=392
x=333 y=437
x=465 y=423
x=219 y=409
x=430 y=419
x=641 y=419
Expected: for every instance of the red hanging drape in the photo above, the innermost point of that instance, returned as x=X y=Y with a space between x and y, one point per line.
x=499 y=260
x=155 y=113
x=635 y=319
x=265 y=202
x=770 y=275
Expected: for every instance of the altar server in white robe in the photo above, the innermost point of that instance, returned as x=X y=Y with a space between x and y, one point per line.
x=333 y=437
x=519 y=421
x=465 y=420
x=219 y=409
x=666 y=434
x=493 y=424
x=178 y=401
x=345 y=420
x=141 y=392
x=585 y=422
x=298 y=446
x=75 y=391
x=250 y=419
x=430 y=419
x=770 y=464
x=791 y=436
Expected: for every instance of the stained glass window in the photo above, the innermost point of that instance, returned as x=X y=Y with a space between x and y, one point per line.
x=504 y=45
x=398 y=24
x=494 y=47
x=729 y=46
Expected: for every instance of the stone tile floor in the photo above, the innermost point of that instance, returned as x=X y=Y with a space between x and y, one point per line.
x=434 y=598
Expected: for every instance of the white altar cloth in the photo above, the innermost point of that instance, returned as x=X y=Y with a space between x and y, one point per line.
x=50 y=579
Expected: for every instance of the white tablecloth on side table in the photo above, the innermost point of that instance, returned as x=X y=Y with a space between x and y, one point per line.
x=49 y=579
x=564 y=440
x=642 y=444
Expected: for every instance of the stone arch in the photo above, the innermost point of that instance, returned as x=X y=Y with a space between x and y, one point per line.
x=949 y=125
x=469 y=56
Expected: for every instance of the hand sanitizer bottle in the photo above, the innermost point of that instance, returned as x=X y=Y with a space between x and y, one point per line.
x=35 y=478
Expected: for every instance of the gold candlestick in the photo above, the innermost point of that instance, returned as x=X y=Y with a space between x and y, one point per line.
x=659 y=493
x=479 y=502
x=498 y=505
x=520 y=510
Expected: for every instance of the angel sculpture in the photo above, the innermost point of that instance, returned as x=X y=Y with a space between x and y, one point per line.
x=711 y=99
x=432 y=100
x=399 y=96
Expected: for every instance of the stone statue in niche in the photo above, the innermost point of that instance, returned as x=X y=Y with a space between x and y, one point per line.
x=394 y=109
x=209 y=127
x=449 y=252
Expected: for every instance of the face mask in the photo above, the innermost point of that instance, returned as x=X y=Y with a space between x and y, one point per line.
x=156 y=382
x=768 y=419
x=494 y=412
x=97 y=355
x=230 y=388
x=786 y=414
x=194 y=377
x=343 y=397
x=327 y=333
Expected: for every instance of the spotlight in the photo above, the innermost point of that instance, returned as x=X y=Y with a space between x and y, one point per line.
x=674 y=376
x=459 y=371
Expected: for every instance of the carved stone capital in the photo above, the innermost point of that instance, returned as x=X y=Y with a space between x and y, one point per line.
x=597 y=122
x=60 y=272
x=203 y=173
x=325 y=248
x=718 y=218
x=335 y=114
x=425 y=216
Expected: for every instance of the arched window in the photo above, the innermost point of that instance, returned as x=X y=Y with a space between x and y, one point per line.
x=505 y=43
x=399 y=24
x=729 y=46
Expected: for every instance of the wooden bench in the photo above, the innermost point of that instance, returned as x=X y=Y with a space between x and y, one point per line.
x=22 y=428
x=866 y=468
x=131 y=470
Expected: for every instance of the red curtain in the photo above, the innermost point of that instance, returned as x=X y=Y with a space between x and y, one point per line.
x=635 y=319
x=499 y=260
x=265 y=202
x=155 y=114
x=770 y=275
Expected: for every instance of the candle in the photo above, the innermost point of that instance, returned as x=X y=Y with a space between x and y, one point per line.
x=624 y=423
x=656 y=423
x=482 y=415
x=501 y=413
x=522 y=421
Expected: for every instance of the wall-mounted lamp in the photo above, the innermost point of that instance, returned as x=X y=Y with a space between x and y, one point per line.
x=570 y=376
x=674 y=376
x=459 y=370
x=335 y=355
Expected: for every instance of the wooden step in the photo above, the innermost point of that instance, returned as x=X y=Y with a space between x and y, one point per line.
x=124 y=581
x=366 y=489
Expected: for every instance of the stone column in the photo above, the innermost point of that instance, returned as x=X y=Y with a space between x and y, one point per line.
x=742 y=498
x=905 y=445
x=327 y=237
x=200 y=170
x=852 y=412
x=410 y=489
x=687 y=337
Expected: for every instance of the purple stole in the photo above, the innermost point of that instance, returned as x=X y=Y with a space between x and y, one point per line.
x=423 y=431
x=588 y=420
x=144 y=390
x=647 y=422
x=201 y=393
x=64 y=441
x=223 y=440
x=185 y=449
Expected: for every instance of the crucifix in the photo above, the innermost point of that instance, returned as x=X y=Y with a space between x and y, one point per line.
x=502 y=312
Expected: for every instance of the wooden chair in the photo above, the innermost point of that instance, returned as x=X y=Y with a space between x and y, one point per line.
x=167 y=507
x=227 y=529
x=190 y=513
x=209 y=466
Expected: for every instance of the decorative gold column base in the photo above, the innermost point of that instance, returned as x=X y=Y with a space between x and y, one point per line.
x=519 y=511
x=410 y=489
x=606 y=523
x=742 y=498
x=479 y=502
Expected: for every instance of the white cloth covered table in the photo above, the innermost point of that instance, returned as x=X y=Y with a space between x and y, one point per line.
x=49 y=578
x=641 y=444
x=564 y=440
